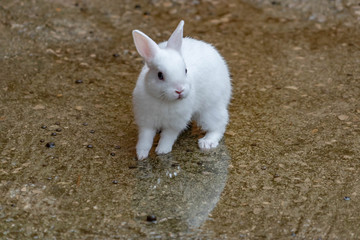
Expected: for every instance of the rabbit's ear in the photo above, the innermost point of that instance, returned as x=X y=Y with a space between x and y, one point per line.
x=176 y=37
x=146 y=47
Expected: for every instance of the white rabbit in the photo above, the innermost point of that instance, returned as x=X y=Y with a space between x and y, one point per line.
x=182 y=79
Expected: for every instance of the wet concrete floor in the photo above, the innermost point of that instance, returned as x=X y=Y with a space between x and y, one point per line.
x=288 y=167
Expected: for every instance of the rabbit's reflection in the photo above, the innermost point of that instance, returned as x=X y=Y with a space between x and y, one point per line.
x=181 y=190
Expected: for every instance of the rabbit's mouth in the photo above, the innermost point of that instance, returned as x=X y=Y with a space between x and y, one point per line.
x=180 y=96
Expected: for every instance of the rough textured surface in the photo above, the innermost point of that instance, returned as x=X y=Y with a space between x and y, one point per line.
x=67 y=70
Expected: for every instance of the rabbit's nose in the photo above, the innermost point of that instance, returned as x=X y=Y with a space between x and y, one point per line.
x=179 y=92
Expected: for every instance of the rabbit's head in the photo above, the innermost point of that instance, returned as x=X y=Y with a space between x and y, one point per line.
x=166 y=78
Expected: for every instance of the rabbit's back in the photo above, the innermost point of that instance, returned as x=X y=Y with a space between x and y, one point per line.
x=208 y=72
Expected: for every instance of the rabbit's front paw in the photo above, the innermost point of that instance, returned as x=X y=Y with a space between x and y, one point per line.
x=206 y=144
x=142 y=154
x=163 y=149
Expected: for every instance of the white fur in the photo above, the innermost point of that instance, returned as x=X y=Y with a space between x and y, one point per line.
x=205 y=91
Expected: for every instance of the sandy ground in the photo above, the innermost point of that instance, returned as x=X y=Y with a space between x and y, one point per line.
x=288 y=167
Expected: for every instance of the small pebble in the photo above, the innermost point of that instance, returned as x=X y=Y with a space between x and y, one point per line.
x=85 y=124
x=115 y=55
x=343 y=117
x=146 y=13
x=58 y=130
x=79 y=81
x=347 y=198
x=43 y=127
x=57 y=123
x=117 y=147
x=133 y=166
x=89 y=146
x=115 y=182
x=50 y=145
x=112 y=154
x=92 y=131
x=39 y=107
x=151 y=218
x=137 y=6
x=42 y=140
x=49 y=178
x=53 y=134
x=83 y=64
x=263 y=168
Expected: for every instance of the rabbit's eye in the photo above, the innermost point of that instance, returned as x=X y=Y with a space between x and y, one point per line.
x=185 y=70
x=160 y=76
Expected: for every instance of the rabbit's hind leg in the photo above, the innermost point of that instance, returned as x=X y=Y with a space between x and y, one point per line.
x=214 y=123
